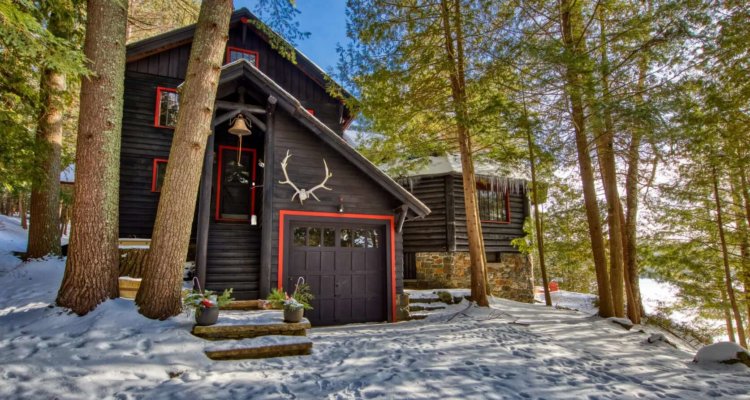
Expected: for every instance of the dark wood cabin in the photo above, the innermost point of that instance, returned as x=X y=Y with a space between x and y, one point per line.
x=503 y=208
x=252 y=233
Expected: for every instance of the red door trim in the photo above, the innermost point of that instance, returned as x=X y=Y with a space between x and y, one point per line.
x=217 y=215
x=388 y=218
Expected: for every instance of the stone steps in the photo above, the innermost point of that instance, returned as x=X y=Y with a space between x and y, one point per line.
x=424 y=302
x=426 y=307
x=262 y=347
x=244 y=333
x=243 y=305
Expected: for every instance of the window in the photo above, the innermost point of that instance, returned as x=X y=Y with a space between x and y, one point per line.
x=158 y=173
x=493 y=202
x=167 y=104
x=236 y=53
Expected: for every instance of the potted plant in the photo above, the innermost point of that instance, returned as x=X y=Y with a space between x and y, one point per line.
x=293 y=310
x=205 y=304
x=295 y=305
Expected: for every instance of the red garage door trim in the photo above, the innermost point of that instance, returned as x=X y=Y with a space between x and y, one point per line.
x=388 y=218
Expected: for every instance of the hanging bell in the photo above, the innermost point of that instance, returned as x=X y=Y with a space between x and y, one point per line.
x=240 y=127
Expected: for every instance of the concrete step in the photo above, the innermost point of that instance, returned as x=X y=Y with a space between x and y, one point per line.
x=262 y=347
x=418 y=316
x=251 y=324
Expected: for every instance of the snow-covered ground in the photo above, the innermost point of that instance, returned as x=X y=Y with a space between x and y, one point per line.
x=511 y=350
x=657 y=297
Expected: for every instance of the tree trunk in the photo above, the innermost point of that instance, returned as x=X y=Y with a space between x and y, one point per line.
x=64 y=219
x=455 y=58
x=630 y=238
x=574 y=55
x=608 y=170
x=725 y=258
x=742 y=234
x=537 y=217
x=727 y=314
x=22 y=211
x=91 y=269
x=44 y=231
x=132 y=262
x=159 y=294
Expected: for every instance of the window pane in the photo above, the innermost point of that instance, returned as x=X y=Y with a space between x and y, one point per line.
x=346 y=238
x=376 y=238
x=359 y=238
x=313 y=238
x=329 y=237
x=369 y=234
x=168 y=107
x=235 y=55
x=300 y=236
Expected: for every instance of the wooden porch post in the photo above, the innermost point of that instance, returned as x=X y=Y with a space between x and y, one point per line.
x=204 y=210
x=266 y=241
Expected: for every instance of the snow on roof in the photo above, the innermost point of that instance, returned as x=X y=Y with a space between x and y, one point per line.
x=500 y=174
x=68 y=175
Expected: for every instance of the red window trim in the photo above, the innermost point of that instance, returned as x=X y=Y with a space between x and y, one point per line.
x=507 y=209
x=154 y=169
x=230 y=49
x=217 y=214
x=388 y=218
x=157 y=107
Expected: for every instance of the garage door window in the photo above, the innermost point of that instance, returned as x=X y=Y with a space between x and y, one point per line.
x=309 y=236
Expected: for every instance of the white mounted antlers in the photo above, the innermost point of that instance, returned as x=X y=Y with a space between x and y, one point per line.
x=304 y=194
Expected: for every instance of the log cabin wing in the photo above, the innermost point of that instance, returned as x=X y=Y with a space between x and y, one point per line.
x=503 y=207
x=254 y=232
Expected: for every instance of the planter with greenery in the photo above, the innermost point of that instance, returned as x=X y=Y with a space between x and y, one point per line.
x=295 y=305
x=205 y=304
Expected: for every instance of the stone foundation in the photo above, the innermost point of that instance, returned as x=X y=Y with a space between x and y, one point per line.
x=511 y=278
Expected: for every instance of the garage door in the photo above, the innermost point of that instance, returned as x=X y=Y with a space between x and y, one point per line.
x=345 y=265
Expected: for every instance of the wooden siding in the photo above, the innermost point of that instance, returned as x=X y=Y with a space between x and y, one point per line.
x=445 y=228
x=141 y=143
x=497 y=236
x=428 y=233
x=360 y=193
x=172 y=63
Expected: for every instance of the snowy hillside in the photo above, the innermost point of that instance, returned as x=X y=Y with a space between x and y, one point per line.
x=511 y=350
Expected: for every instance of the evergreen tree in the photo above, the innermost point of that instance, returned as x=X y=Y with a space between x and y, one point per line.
x=44 y=231
x=160 y=292
x=92 y=264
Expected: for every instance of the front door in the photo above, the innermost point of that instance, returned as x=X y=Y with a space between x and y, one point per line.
x=235 y=195
x=346 y=267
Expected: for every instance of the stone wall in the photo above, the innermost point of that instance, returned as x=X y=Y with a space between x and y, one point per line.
x=511 y=278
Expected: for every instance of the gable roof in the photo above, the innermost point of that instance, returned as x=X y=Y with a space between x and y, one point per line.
x=178 y=37
x=243 y=69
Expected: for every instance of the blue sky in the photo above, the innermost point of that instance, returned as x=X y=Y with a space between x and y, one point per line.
x=326 y=22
